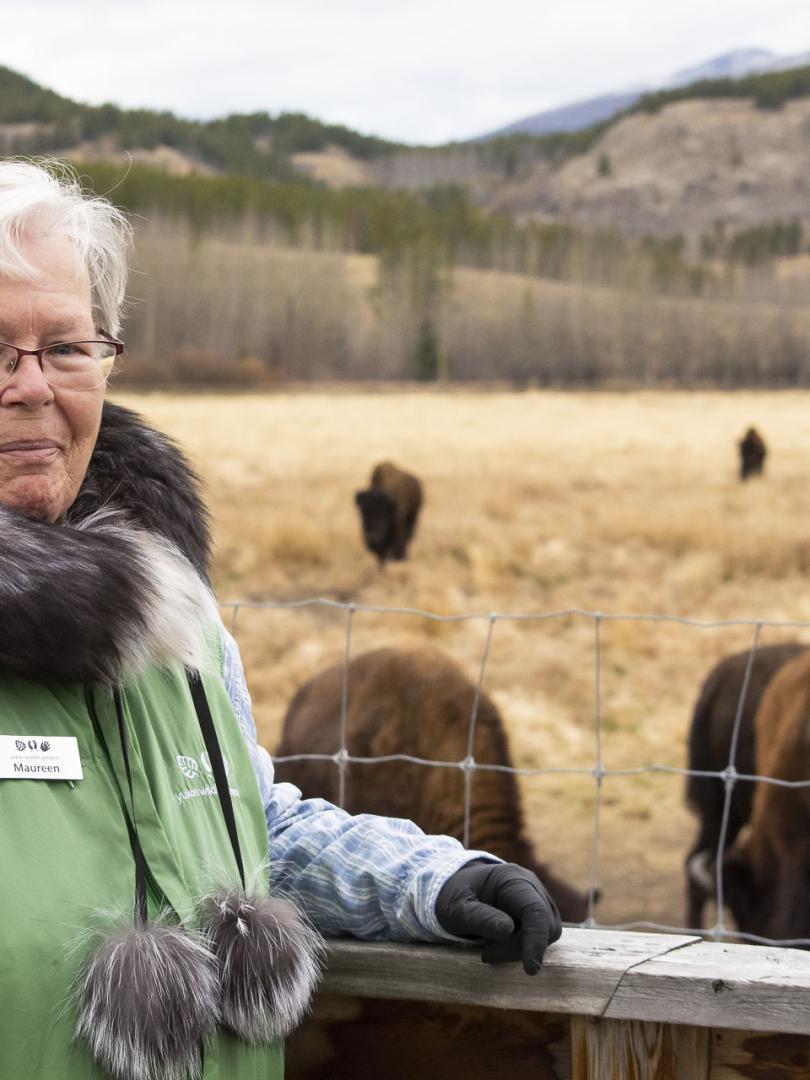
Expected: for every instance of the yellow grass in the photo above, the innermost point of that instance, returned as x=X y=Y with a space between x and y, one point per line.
x=535 y=502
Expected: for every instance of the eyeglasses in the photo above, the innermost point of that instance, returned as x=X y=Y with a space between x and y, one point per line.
x=67 y=365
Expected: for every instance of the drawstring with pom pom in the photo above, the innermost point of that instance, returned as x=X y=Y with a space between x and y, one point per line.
x=148 y=994
x=268 y=955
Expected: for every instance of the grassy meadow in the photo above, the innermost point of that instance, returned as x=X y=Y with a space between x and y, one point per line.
x=535 y=502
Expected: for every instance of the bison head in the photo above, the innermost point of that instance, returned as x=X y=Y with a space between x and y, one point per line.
x=743 y=889
x=752 y=454
x=767 y=889
x=378 y=512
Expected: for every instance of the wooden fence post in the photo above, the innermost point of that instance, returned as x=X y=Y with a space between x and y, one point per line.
x=637 y=1050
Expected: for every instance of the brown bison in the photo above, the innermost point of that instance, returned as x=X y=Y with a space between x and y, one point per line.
x=709 y=751
x=766 y=873
x=752 y=454
x=416 y=702
x=389 y=508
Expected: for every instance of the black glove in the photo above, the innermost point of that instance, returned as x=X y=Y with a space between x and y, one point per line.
x=503 y=905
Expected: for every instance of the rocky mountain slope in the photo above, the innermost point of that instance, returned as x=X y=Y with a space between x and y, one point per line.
x=691 y=168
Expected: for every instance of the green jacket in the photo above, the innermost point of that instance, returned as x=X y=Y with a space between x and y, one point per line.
x=68 y=869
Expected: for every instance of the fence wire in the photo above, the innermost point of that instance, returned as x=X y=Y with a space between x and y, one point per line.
x=729 y=775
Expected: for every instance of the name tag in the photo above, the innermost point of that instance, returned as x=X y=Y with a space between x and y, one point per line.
x=38 y=757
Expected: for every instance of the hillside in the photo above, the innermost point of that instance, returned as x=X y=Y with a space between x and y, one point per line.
x=694 y=168
x=704 y=162
x=713 y=158
x=34 y=120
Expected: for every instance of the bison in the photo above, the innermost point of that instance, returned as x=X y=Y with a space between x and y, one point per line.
x=766 y=873
x=389 y=508
x=709 y=751
x=752 y=454
x=416 y=702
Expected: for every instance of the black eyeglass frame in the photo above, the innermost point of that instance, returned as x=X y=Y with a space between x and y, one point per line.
x=105 y=340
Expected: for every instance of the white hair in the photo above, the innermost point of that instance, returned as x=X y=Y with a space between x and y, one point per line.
x=44 y=198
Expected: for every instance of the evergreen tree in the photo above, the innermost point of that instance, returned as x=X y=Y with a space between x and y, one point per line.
x=426 y=357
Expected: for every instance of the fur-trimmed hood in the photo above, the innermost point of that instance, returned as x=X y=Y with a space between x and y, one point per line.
x=142 y=471
x=122 y=581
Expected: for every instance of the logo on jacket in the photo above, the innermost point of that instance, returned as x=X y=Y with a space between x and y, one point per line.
x=206 y=764
x=188 y=766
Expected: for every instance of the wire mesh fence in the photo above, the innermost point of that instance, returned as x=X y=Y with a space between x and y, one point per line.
x=597 y=771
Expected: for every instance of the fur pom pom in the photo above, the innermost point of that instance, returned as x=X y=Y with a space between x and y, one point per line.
x=147 y=998
x=269 y=962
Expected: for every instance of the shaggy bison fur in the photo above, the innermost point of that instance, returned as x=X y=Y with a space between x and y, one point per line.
x=766 y=873
x=709 y=751
x=416 y=702
x=389 y=509
x=752 y=454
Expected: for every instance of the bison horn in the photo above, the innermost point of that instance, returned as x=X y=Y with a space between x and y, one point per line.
x=702 y=871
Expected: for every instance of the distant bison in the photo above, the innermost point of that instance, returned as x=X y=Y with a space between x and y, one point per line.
x=709 y=750
x=389 y=508
x=752 y=454
x=416 y=702
x=766 y=873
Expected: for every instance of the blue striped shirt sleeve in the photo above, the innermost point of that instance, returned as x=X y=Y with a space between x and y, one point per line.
x=371 y=877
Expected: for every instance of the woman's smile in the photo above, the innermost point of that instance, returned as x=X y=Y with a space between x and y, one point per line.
x=26 y=452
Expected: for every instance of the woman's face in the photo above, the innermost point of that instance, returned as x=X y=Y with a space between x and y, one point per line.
x=46 y=435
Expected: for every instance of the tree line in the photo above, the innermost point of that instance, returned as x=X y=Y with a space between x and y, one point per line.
x=254 y=144
x=439 y=224
x=226 y=306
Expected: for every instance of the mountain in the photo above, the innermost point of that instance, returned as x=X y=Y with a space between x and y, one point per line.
x=574 y=117
x=583 y=114
x=730 y=65
x=702 y=164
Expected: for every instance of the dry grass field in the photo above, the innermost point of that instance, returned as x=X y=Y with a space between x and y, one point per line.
x=535 y=502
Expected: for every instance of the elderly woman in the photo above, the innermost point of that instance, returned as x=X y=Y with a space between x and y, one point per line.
x=162 y=897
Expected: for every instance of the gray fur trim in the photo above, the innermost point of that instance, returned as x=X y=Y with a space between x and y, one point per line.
x=97 y=602
x=99 y=596
x=176 y=605
x=143 y=472
x=269 y=963
x=147 y=999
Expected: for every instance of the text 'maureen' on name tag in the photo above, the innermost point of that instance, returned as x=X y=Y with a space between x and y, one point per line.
x=40 y=757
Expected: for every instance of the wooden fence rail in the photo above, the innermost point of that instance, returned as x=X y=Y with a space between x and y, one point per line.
x=605 y=1006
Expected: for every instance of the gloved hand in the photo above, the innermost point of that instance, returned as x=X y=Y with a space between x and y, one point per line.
x=503 y=905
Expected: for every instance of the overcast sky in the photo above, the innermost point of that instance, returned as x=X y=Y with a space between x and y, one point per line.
x=420 y=71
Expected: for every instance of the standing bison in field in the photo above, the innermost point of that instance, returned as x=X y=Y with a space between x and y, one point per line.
x=752 y=454
x=709 y=751
x=416 y=702
x=766 y=873
x=389 y=509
